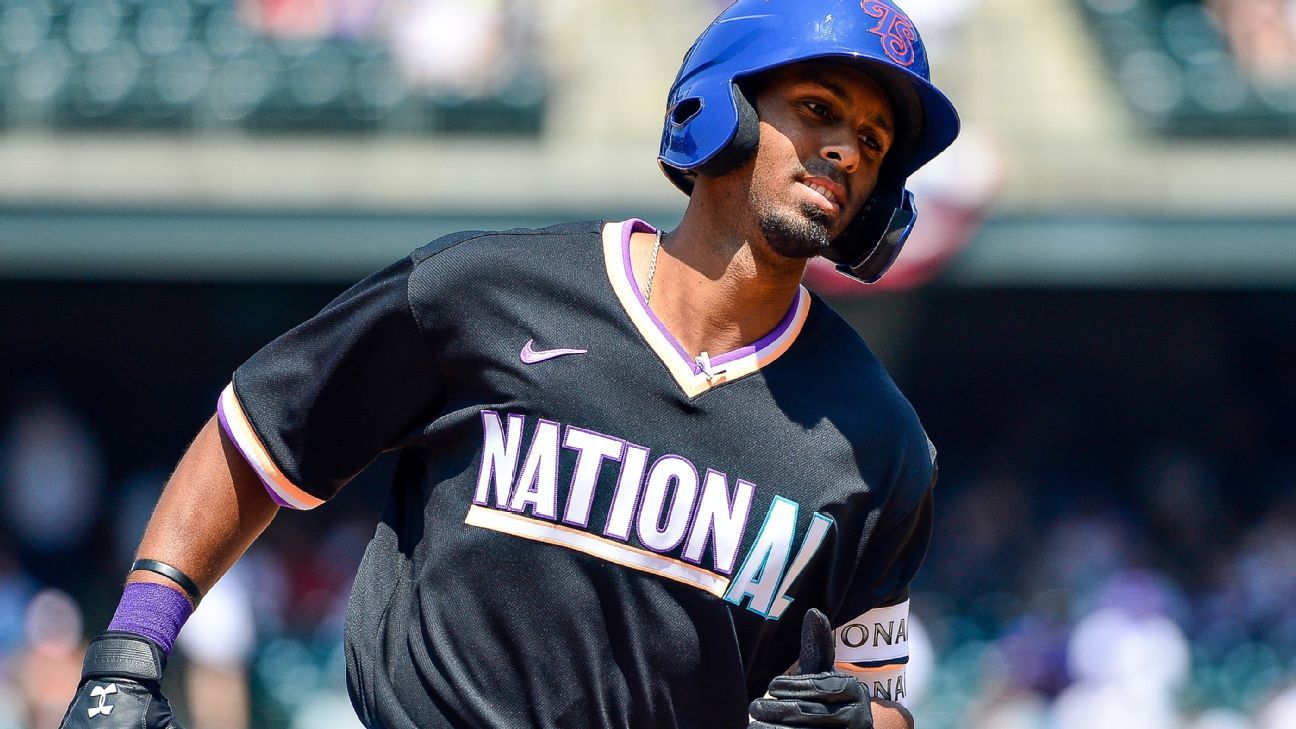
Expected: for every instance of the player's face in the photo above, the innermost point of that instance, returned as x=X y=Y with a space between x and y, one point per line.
x=824 y=130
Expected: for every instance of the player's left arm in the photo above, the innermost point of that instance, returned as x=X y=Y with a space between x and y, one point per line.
x=890 y=715
x=816 y=693
x=874 y=649
x=862 y=685
x=872 y=645
x=871 y=628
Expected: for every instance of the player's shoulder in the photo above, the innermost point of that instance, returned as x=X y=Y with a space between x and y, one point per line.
x=838 y=350
x=495 y=246
x=864 y=396
x=476 y=270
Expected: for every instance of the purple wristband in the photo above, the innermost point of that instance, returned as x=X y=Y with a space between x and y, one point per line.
x=153 y=611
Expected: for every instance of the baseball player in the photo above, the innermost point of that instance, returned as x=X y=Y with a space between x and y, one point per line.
x=640 y=472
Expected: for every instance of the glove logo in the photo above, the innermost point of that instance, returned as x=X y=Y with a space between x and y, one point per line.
x=895 y=29
x=101 y=693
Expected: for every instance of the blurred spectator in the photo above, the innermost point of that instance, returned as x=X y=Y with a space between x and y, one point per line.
x=16 y=591
x=940 y=21
x=326 y=710
x=1221 y=719
x=1014 y=711
x=289 y=18
x=218 y=642
x=1262 y=35
x=450 y=45
x=49 y=668
x=1143 y=655
x=52 y=480
x=1105 y=705
x=1280 y=712
x=455 y=46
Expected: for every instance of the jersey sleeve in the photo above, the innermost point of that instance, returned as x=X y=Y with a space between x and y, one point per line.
x=318 y=404
x=872 y=626
x=874 y=647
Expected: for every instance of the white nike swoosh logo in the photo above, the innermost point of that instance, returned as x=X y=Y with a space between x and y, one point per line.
x=532 y=356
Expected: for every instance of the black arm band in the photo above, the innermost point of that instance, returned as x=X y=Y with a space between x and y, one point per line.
x=171 y=573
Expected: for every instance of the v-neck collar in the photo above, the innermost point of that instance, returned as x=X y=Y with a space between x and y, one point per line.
x=690 y=376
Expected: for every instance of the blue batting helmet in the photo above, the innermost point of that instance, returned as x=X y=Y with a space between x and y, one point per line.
x=711 y=126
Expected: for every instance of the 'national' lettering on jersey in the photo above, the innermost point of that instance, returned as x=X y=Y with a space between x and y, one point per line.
x=688 y=523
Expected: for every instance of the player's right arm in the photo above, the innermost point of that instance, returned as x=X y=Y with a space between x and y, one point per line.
x=299 y=419
x=213 y=507
x=210 y=512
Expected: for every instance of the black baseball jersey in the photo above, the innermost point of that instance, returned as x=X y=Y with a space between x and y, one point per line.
x=587 y=527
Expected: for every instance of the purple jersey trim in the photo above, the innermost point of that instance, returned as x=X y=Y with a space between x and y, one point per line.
x=220 y=416
x=153 y=611
x=634 y=225
x=627 y=230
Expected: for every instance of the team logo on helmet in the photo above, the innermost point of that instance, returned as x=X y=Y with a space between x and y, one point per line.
x=895 y=29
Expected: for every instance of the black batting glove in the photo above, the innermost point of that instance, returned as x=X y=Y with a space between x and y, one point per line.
x=121 y=686
x=815 y=697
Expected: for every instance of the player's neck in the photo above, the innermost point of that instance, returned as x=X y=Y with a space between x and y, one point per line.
x=712 y=289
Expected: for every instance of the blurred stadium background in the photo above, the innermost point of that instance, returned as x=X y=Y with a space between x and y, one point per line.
x=1096 y=320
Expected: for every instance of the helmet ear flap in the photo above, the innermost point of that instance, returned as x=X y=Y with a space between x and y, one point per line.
x=870 y=245
x=744 y=142
x=740 y=147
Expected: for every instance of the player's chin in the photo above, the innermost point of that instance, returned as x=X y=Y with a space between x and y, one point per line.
x=802 y=233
